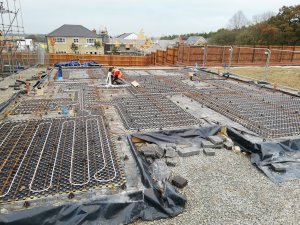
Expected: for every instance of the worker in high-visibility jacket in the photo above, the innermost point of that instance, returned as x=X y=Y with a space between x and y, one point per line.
x=116 y=76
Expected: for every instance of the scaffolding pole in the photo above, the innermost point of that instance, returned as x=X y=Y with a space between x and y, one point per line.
x=12 y=37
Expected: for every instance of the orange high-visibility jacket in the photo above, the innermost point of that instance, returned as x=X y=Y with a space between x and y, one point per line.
x=117 y=73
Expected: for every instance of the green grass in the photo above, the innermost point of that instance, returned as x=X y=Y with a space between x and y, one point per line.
x=286 y=76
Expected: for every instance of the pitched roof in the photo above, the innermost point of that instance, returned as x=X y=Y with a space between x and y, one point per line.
x=194 y=39
x=124 y=35
x=67 y=30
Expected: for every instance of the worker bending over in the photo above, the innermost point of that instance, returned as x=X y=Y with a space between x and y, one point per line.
x=116 y=76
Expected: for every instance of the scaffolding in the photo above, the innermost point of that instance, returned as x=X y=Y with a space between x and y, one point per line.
x=12 y=38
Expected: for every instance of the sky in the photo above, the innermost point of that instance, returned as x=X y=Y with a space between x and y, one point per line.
x=155 y=17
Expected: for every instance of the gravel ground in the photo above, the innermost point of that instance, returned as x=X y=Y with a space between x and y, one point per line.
x=228 y=189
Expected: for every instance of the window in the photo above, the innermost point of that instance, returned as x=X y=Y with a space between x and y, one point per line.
x=59 y=51
x=77 y=52
x=90 y=40
x=95 y=53
x=60 y=40
x=76 y=40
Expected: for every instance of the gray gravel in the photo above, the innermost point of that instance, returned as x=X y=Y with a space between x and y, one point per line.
x=228 y=189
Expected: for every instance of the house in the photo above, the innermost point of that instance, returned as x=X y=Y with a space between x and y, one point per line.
x=74 y=39
x=180 y=40
x=26 y=45
x=160 y=45
x=196 y=40
x=128 y=36
x=126 y=44
x=123 y=46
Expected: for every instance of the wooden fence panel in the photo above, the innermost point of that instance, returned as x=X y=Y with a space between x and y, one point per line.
x=171 y=56
x=196 y=55
x=215 y=55
x=111 y=60
x=160 y=57
x=181 y=55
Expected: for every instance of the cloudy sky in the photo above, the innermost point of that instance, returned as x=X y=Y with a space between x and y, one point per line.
x=156 y=17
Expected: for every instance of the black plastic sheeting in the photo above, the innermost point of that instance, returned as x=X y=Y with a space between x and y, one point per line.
x=263 y=155
x=11 y=99
x=157 y=204
x=183 y=136
x=286 y=152
x=153 y=207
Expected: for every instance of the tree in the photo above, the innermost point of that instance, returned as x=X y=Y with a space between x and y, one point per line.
x=246 y=36
x=169 y=37
x=97 y=44
x=114 y=51
x=32 y=37
x=260 y=18
x=287 y=21
x=266 y=29
x=74 y=47
x=238 y=20
x=224 y=37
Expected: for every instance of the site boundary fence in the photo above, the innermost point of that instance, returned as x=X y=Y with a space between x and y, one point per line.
x=215 y=55
x=208 y=55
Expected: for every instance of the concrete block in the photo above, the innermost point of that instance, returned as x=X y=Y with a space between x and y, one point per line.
x=209 y=152
x=171 y=162
x=170 y=152
x=135 y=84
x=278 y=167
x=153 y=151
x=207 y=144
x=189 y=151
x=171 y=145
x=179 y=181
x=149 y=152
x=39 y=91
x=217 y=140
x=159 y=152
x=228 y=145
x=149 y=160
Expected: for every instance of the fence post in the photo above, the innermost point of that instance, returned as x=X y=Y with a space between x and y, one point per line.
x=189 y=52
x=223 y=53
x=203 y=56
x=293 y=52
x=110 y=60
x=238 y=60
x=268 y=53
x=182 y=57
x=253 y=55
x=174 y=50
x=281 y=54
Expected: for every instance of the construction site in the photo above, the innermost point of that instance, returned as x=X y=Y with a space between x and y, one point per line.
x=176 y=142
